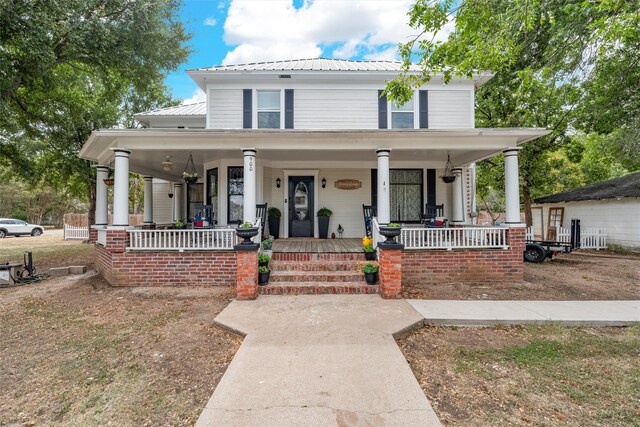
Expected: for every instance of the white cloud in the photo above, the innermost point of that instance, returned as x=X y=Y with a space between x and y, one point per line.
x=389 y=54
x=264 y=30
x=197 y=96
x=210 y=22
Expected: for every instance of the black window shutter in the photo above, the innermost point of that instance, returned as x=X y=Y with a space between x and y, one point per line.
x=247 y=112
x=431 y=187
x=288 y=108
x=382 y=110
x=423 y=101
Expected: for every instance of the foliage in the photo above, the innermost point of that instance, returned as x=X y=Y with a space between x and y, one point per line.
x=179 y=224
x=263 y=269
x=246 y=225
x=266 y=244
x=564 y=66
x=368 y=248
x=369 y=267
x=324 y=212
x=263 y=258
x=274 y=213
x=394 y=224
x=73 y=66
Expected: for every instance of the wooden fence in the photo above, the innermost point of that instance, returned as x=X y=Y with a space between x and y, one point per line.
x=82 y=220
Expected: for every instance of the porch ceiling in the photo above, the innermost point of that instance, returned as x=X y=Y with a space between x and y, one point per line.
x=149 y=147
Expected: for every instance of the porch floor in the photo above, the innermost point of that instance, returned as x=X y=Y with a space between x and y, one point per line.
x=317 y=246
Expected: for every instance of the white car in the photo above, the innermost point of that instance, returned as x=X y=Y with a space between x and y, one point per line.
x=15 y=227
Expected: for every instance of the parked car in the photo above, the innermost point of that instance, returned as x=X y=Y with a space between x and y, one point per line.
x=16 y=227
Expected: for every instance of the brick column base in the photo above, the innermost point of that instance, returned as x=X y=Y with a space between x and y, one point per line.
x=93 y=234
x=390 y=260
x=247 y=271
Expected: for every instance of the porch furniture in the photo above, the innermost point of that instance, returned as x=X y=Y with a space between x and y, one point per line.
x=261 y=214
x=369 y=211
x=433 y=211
x=205 y=212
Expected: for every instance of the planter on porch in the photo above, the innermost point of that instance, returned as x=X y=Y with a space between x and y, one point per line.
x=324 y=216
x=247 y=233
x=263 y=276
x=274 y=222
x=370 y=270
x=390 y=231
x=263 y=260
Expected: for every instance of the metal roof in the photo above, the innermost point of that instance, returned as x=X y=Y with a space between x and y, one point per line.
x=195 y=109
x=314 y=64
x=625 y=186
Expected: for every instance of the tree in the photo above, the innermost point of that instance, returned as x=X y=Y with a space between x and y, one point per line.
x=73 y=66
x=550 y=60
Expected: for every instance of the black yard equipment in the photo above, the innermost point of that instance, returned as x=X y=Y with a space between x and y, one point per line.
x=537 y=250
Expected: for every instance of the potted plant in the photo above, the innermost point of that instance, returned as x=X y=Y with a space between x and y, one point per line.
x=324 y=215
x=369 y=250
x=263 y=260
x=179 y=224
x=190 y=177
x=247 y=231
x=274 y=221
x=109 y=179
x=263 y=275
x=267 y=244
x=390 y=231
x=370 y=270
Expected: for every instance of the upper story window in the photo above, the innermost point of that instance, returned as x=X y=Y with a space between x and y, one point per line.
x=402 y=117
x=269 y=109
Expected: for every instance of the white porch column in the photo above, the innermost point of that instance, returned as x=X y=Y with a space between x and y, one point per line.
x=512 y=185
x=148 y=200
x=177 y=201
x=249 y=198
x=102 y=173
x=457 y=214
x=384 y=197
x=121 y=188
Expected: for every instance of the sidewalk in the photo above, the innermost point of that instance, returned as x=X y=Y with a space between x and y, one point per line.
x=486 y=313
x=318 y=360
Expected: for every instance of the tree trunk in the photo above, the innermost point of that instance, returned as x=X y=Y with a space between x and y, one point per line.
x=526 y=198
x=91 y=195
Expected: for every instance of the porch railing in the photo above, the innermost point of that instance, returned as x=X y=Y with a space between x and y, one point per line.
x=375 y=232
x=454 y=238
x=182 y=240
x=75 y=233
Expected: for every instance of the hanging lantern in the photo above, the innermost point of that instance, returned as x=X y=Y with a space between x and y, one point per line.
x=448 y=177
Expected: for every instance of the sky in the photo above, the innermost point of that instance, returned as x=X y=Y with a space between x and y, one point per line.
x=244 y=31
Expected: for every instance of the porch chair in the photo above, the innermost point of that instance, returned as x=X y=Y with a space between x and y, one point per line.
x=431 y=212
x=261 y=213
x=204 y=211
x=368 y=211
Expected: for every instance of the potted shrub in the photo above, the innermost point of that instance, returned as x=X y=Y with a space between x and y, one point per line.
x=370 y=270
x=369 y=253
x=179 y=224
x=263 y=260
x=324 y=215
x=267 y=244
x=263 y=275
x=274 y=221
x=247 y=231
x=390 y=231
x=109 y=179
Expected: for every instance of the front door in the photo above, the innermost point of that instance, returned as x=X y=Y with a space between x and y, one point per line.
x=301 y=206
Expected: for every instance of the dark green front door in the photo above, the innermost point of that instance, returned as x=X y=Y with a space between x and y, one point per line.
x=301 y=207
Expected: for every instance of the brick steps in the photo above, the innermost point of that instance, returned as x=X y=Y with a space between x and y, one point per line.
x=316 y=273
x=317 y=288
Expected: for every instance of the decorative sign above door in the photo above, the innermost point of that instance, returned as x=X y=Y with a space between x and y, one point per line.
x=348 y=184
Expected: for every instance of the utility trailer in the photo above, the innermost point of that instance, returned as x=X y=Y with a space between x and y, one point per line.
x=537 y=250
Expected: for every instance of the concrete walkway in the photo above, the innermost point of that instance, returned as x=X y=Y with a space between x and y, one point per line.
x=570 y=313
x=318 y=360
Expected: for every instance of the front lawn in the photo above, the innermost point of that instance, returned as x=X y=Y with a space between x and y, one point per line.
x=543 y=376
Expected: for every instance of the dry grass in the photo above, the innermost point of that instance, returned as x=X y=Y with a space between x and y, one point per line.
x=543 y=376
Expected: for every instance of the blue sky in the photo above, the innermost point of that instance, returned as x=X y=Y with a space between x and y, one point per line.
x=241 y=31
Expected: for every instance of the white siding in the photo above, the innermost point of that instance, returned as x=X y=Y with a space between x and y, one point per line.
x=335 y=109
x=162 y=204
x=621 y=218
x=449 y=109
x=225 y=108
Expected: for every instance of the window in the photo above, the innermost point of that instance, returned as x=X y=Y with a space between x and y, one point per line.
x=194 y=197
x=269 y=109
x=235 y=194
x=406 y=187
x=556 y=216
x=402 y=117
x=212 y=191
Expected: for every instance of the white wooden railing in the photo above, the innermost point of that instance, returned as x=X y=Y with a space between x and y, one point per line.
x=182 y=240
x=375 y=232
x=102 y=237
x=75 y=233
x=454 y=238
x=590 y=237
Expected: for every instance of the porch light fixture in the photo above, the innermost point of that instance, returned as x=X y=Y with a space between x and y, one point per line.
x=278 y=182
x=167 y=164
x=324 y=182
x=448 y=176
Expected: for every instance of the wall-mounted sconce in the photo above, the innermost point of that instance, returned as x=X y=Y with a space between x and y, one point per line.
x=278 y=182
x=324 y=182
